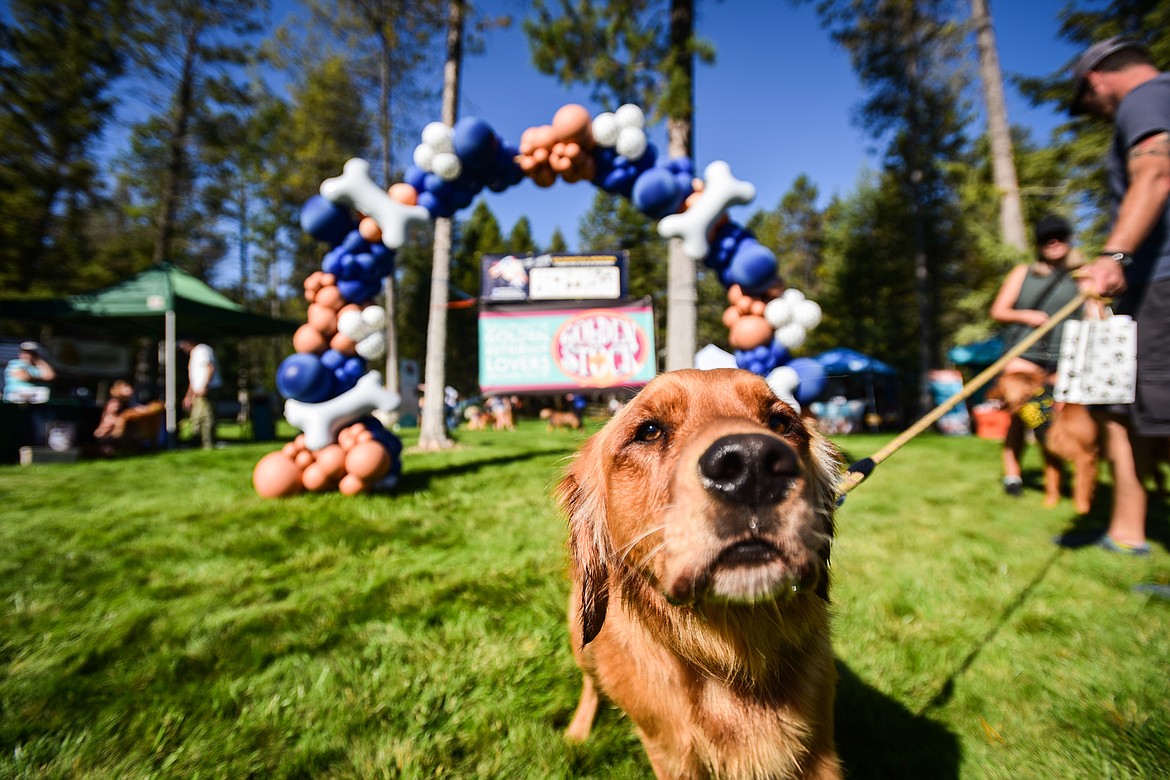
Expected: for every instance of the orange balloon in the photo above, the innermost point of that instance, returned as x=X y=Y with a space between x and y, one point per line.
x=540 y=155
x=744 y=304
x=331 y=460
x=572 y=122
x=734 y=293
x=323 y=318
x=351 y=485
x=327 y=279
x=330 y=296
x=289 y=450
x=775 y=290
x=299 y=442
x=275 y=476
x=585 y=165
x=303 y=458
x=314 y=478
x=343 y=344
x=309 y=340
x=757 y=308
x=543 y=176
x=370 y=230
x=571 y=175
x=527 y=141
x=544 y=137
x=526 y=163
x=559 y=163
x=368 y=460
x=749 y=332
x=558 y=149
x=731 y=315
x=404 y=193
x=312 y=285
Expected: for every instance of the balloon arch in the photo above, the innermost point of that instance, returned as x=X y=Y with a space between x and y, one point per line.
x=330 y=393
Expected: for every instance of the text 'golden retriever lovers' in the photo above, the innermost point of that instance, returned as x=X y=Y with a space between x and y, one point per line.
x=700 y=523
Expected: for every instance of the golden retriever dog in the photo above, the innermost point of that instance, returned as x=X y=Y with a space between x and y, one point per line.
x=1072 y=435
x=700 y=522
x=567 y=420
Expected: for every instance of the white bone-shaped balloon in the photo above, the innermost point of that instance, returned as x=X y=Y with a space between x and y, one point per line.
x=321 y=422
x=721 y=190
x=354 y=187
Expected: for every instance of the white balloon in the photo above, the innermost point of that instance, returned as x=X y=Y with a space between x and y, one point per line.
x=606 y=129
x=784 y=380
x=778 y=312
x=791 y=335
x=807 y=313
x=423 y=156
x=793 y=294
x=631 y=143
x=439 y=137
x=447 y=166
x=372 y=347
x=350 y=324
x=374 y=316
x=630 y=115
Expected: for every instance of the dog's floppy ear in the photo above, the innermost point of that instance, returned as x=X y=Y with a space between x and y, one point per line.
x=581 y=494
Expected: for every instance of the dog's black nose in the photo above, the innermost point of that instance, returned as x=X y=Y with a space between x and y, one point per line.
x=749 y=468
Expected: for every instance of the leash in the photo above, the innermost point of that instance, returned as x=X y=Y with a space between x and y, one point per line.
x=859 y=471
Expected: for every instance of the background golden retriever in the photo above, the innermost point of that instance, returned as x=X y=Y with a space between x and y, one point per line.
x=700 y=523
x=1071 y=435
x=556 y=419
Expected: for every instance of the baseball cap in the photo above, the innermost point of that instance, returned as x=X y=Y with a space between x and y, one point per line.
x=1052 y=226
x=1090 y=59
x=30 y=346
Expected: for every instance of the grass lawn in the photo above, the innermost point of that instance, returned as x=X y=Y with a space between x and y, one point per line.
x=158 y=619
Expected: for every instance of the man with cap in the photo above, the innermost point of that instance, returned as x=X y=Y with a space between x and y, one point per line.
x=26 y=377
x=1116 y=80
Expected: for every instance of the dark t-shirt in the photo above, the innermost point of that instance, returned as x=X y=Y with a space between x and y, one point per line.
x=1145 y=111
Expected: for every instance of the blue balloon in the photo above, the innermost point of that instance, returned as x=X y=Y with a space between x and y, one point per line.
x=353 y=243
x=753 y=266
x=325 y=220
x=475 y=142
x=358 y=290
x=656 y=193
x=812 y=379
x=331 y=263
x=415 y=176
x=353 y=369
x=304 y=377
x=429 y=202
x=332 y=359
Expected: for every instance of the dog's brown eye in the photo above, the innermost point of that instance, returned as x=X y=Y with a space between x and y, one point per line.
x=780 y=423
x=650 y=432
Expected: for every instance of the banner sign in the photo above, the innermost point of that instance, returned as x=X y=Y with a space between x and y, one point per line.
x=566 y=349
x=548 y=277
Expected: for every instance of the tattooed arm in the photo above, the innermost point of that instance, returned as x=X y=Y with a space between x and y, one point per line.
x=1148 y=163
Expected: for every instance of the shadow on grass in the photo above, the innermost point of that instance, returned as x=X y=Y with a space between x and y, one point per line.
x=419 y=480
x=1095 y=522
x=877 y=737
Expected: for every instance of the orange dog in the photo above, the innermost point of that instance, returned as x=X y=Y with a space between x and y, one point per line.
x=700 y=522
x=560 y=420
x=1071 y=435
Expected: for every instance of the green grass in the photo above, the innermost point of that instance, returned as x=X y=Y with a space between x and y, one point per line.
x=158 y=619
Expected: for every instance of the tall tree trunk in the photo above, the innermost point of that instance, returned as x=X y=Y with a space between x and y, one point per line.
x=386 y=128
x=919 y=162
x=176 y=161
x=682 y=296
x=1011 y=217
x=433 y=431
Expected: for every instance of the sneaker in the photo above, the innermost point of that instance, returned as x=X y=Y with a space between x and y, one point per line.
x=1013 y=486
x=1107 y=542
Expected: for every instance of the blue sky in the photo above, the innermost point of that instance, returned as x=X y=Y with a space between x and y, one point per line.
x=778 y=101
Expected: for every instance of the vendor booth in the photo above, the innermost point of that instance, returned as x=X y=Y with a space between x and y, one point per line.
x=861 y=393
x=158 y=303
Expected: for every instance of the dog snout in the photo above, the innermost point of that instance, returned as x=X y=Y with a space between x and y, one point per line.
x=752 y=469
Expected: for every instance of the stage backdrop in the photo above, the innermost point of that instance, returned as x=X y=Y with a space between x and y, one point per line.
x=526 y=349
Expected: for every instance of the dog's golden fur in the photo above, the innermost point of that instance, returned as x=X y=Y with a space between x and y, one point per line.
x=701 y=606
x=557 y=419
x=1071 y=436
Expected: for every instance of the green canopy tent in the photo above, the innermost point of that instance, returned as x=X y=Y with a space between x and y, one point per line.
x=159 y=303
